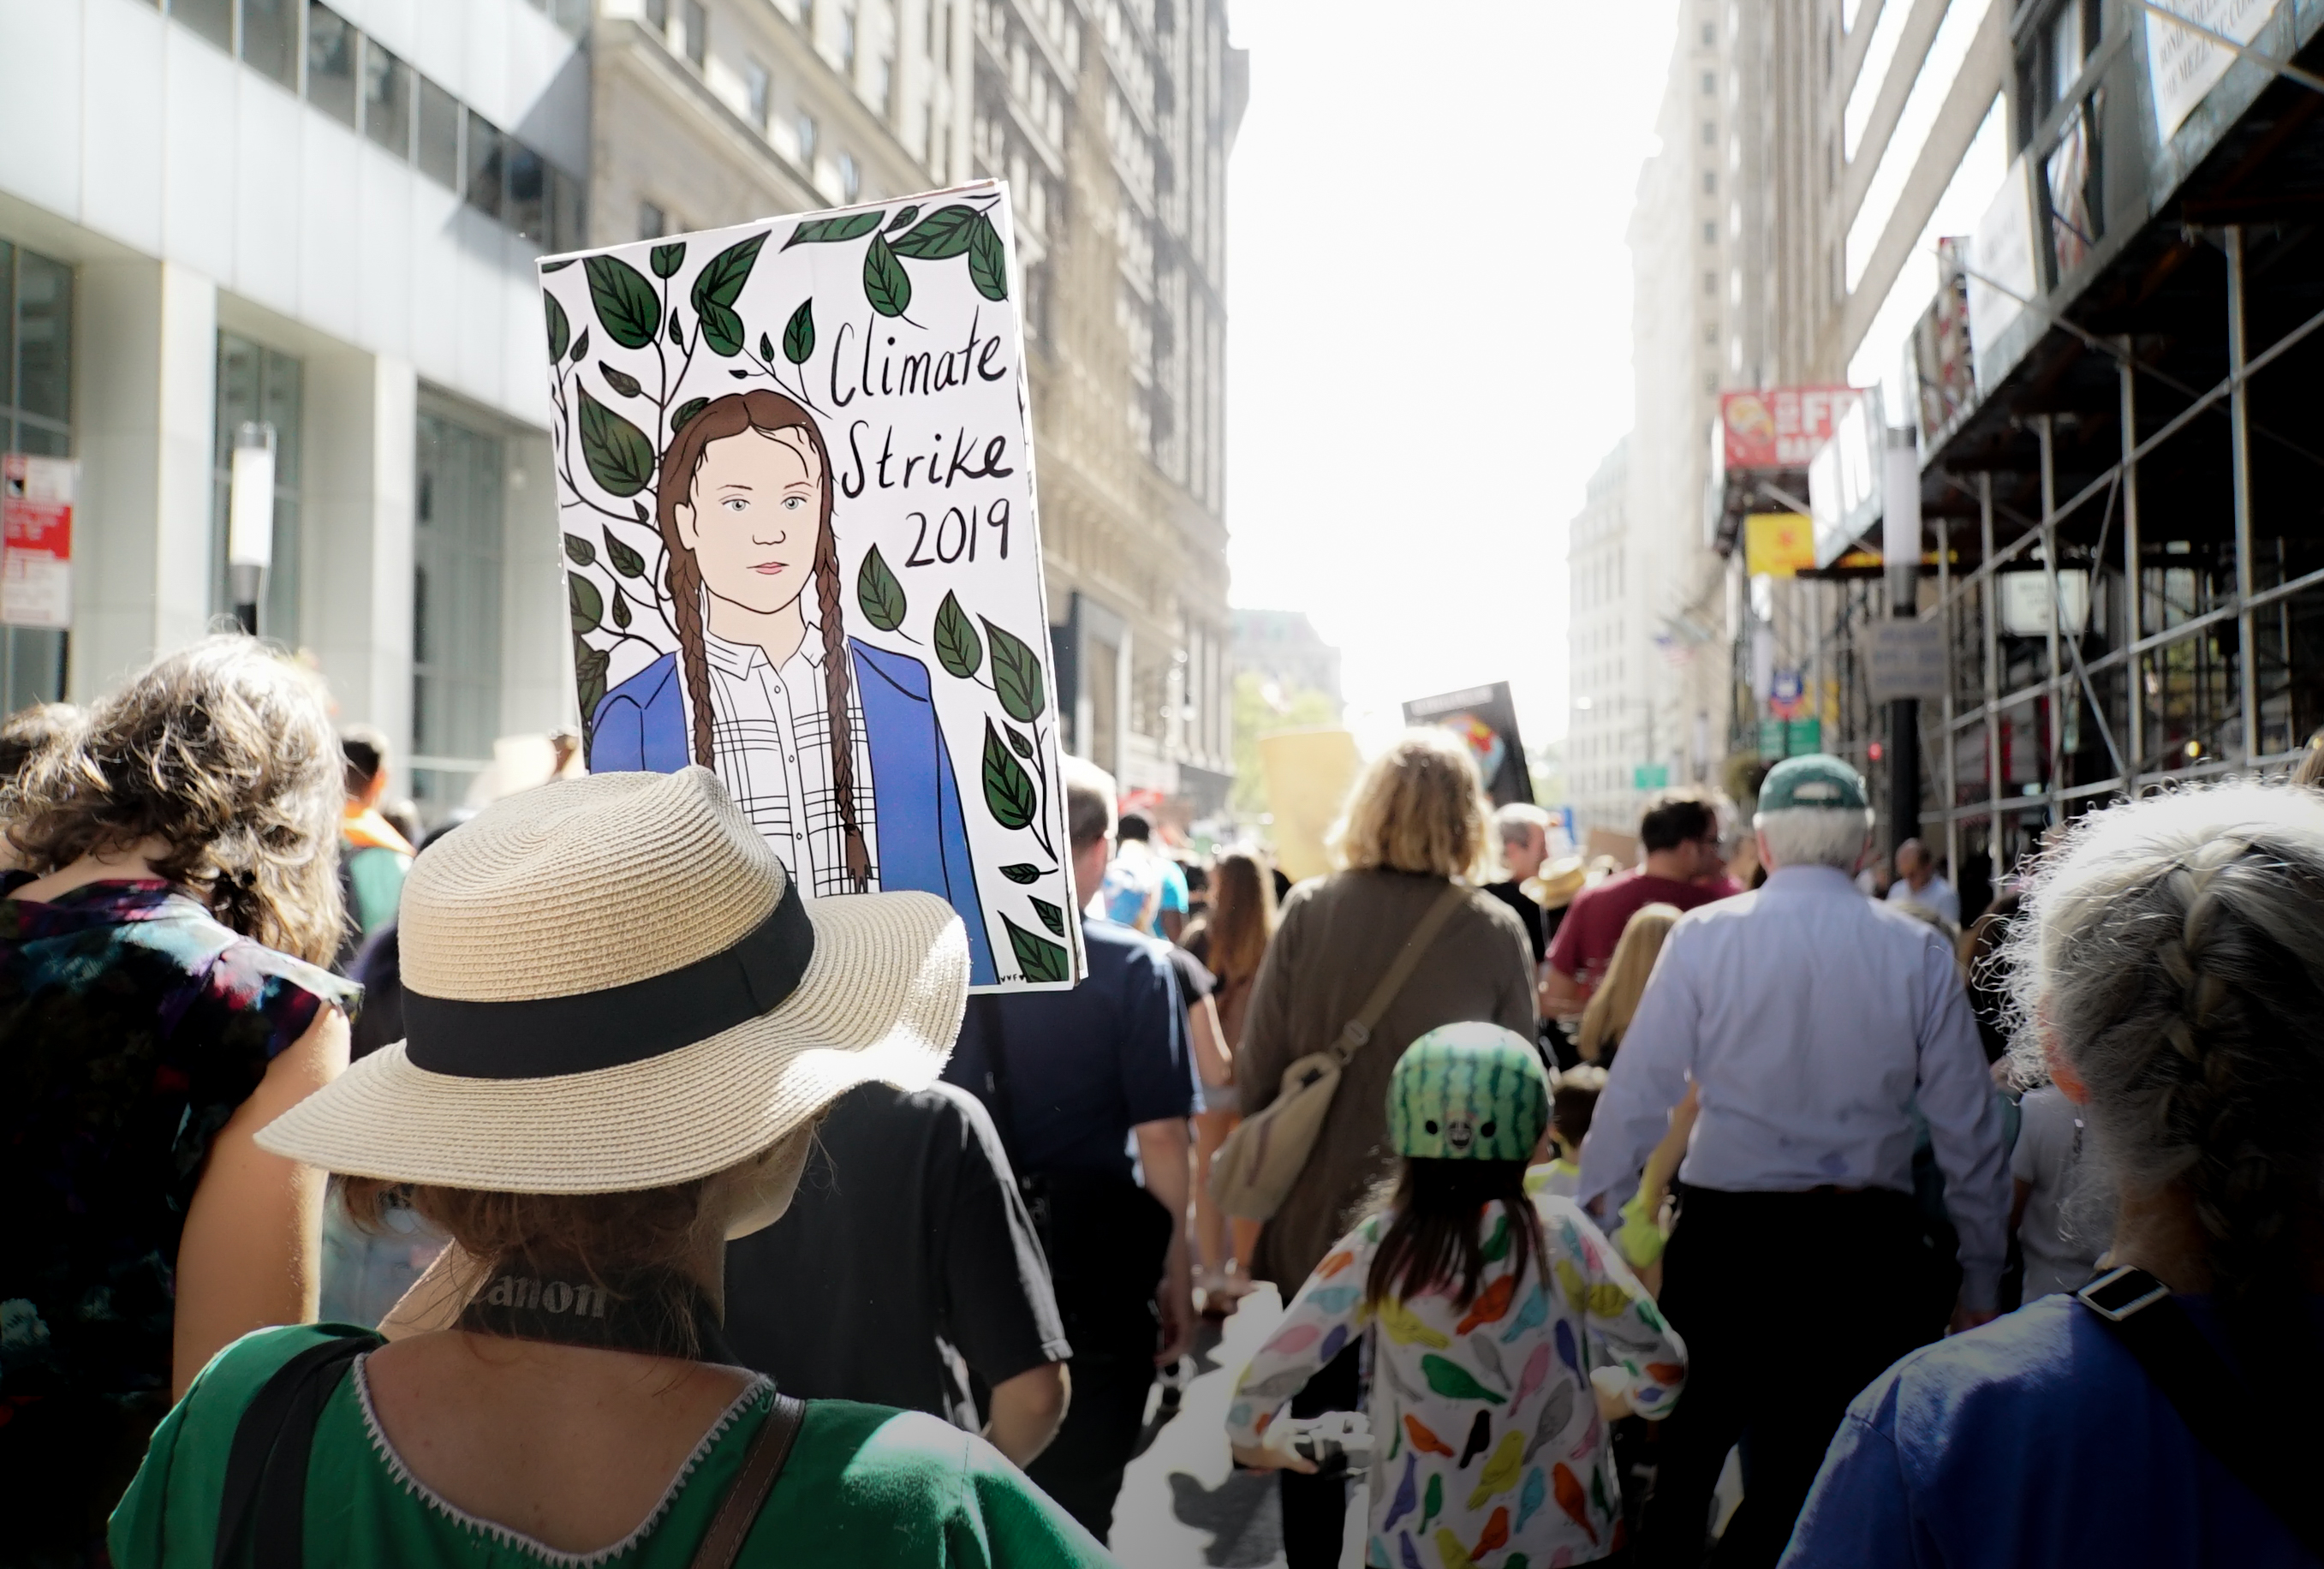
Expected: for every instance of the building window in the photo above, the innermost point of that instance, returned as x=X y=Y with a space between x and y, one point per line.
x=1710 y=234
x=1709 y=84
x=211 y=19
x=485 y=164
x=456 y=611
x=1710 y=284
x=256 y=385
x=754 y=88
x=847 y=41
x=437 y=144
x=387 y=100
x=525 y=205
x=1710 y=182
x=1710 y=33
x=698 y=33
x=807 y=17
x=1710 y=134
x=270 y=39
x=331 y=63
x=806 y=139
x=36 y=313
x=883 y=83
x=658 y=15
x=652 y=222
x=851 y=179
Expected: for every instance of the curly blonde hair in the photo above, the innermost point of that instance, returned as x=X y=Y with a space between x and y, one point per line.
x=224 y=753
x=1418 y=806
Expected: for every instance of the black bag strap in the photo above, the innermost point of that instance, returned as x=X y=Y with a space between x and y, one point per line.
x=267 y=1467
x=1002 y=1105
x=2277 y=1463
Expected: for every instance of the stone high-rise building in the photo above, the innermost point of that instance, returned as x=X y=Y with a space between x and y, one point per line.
x=1111 y=120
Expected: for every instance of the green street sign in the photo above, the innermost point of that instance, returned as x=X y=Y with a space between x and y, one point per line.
x=1650 y=776
x=1806 y=736
x=1771 y=739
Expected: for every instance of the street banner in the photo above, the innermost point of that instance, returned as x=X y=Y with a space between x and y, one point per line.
x=794 y=469
x=1778 y=544
x=36 y=497
x=1307 y=774
x=1487 y=719
x=2183 y=62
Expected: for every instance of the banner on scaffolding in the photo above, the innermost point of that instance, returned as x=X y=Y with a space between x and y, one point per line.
x=795 y=479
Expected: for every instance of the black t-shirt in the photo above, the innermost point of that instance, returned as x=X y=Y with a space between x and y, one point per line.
x=906 y=1260
x=1514 y=895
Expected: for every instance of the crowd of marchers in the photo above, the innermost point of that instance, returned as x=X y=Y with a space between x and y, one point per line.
x=560 y=1185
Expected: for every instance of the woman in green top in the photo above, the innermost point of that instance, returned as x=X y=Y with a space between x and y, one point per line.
x=622 y=1023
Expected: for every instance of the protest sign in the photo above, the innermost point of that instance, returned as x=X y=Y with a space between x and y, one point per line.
x=1487 y=719
x=1307 y=775
x=794 y=470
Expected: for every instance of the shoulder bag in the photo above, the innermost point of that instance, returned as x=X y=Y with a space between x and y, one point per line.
x=1254 y=1169
x=264 y=1501
x=2277 y=1463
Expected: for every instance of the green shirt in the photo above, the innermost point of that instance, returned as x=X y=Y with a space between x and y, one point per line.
x=865 y=1486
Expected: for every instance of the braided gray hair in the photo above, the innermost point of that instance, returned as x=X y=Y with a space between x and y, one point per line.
x=2175 y=959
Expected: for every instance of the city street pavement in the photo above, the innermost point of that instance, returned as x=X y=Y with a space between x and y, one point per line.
x=1183 y=1504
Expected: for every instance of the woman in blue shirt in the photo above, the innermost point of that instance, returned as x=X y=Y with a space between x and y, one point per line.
x=2171 y=971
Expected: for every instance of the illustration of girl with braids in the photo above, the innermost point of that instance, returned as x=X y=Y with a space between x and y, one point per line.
x=830 y=746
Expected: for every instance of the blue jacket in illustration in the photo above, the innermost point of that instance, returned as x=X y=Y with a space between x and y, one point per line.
x=640 y=727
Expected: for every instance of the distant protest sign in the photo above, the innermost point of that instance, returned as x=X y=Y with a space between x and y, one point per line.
x=794 y=471
x=1487 y=719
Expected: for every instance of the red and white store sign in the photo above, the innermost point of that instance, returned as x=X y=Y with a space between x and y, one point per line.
x=36 y=507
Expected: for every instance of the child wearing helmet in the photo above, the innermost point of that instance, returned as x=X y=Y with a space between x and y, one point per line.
x=1503 y=1332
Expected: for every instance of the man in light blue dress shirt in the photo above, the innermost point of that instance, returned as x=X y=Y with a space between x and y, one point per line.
x=1812 y=1021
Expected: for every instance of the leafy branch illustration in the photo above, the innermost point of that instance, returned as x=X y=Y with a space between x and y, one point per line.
x=620 y=458
x=1018 y=796
x=959 y=229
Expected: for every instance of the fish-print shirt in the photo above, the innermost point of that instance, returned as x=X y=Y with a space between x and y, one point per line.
x=1490 y=1452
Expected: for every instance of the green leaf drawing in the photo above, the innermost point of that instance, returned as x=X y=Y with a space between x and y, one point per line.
x=580 y=348
x=1017 y=740
x=668 y=259
x=621 y=381
x=879 y=592
x=740 y=375
x=958 y=647
x=561 y=331
x=886 y=284
x=626 y=303
x=626 y=561
x=685 y=411
x=1007 y=788
x=852 y=226
x=720 y=281
x=1036 y=955
x=640 y=508
x=721 y=330
x=766 y=348
x=940 y=236
x=799 y=334
x=1016 y=674
x=580 y=551
x=620 y=608
x=588 y=605
x=677 y=333
x=589 y=672
x=1021 y=871
x=557 y=266
x=1051 y=916
x=988 y=260
x=902 y=218
x=620 y=458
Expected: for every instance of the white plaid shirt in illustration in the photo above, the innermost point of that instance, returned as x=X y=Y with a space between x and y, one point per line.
x=770 y=734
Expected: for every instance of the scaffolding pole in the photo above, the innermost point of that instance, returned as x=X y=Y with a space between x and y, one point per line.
x=1992 y=681
x=2045 y=427
x=2239 y=430
x=1945 y=750
x=2133 y=612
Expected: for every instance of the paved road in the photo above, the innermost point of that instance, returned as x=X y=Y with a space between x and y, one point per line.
x=1183 y=1504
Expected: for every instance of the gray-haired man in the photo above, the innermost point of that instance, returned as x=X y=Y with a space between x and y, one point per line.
x=1812 y=1022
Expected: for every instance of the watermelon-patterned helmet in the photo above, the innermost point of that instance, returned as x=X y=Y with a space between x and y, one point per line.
x=1468 y=1092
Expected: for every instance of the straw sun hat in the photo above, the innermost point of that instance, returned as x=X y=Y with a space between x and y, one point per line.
x=611 y=983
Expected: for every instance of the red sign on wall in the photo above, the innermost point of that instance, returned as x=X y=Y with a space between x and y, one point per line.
x=1780 y=427
x=36 y=504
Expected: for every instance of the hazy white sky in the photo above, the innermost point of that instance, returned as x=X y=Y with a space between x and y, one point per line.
x=1428 y=346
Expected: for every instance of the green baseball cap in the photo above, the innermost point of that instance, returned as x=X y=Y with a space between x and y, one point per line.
x=1468 y=1092
x=1818 y=781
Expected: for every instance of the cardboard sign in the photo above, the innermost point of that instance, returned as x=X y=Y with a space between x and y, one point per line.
x=1307 y=774
x=36 y=499
x=1486 y=718
x=795 y=478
